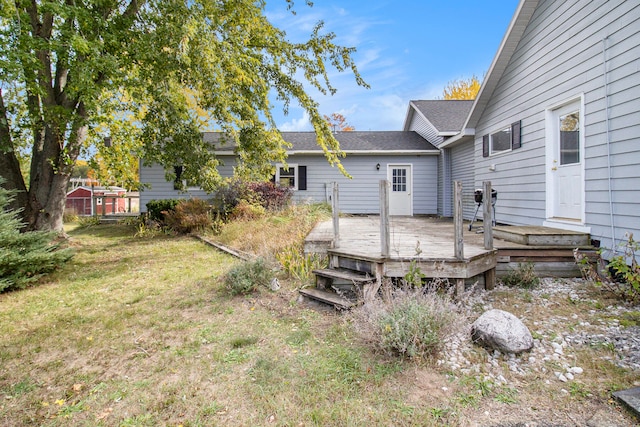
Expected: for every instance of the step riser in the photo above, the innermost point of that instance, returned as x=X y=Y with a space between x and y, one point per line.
x=354 y=264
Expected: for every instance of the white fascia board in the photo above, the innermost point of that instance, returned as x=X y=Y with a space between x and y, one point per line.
x=463 y=136
x=369 y=152
x=352 y=152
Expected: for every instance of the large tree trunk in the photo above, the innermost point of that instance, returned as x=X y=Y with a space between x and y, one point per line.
x=51 y=172
x=50 y=217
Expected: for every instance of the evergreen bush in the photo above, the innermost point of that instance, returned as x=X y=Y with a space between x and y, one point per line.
x=25 y=257
x=155 y=208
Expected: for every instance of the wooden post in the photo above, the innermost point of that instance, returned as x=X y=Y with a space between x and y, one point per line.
x=335 y=211
x=487 y=222
x=487 y=215
x=458 y=244
x=457 y=220
x=384 y=218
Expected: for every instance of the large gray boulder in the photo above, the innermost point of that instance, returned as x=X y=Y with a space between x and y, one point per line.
x=501 y=330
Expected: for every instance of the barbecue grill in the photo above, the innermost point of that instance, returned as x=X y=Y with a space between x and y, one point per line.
x=478 y=196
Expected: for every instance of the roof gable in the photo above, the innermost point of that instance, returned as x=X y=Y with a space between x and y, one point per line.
x=445 y=116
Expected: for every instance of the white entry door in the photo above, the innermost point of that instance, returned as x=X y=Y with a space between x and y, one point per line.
x=400 y=194
x=567 y=164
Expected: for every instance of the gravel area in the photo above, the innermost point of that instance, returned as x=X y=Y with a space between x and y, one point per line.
x=601 y=327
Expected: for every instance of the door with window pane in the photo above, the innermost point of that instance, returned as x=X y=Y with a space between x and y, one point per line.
x=566 y=168
x=400 y=194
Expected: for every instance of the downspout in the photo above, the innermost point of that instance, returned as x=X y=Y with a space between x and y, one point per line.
x=608 y=141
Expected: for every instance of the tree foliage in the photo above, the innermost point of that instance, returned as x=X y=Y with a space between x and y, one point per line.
x=151 y=75
x=462 y=89
x=338 y=122
x=24 y=257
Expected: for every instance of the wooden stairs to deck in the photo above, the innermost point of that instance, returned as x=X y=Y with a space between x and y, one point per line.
x=550 y=250
x=341 y=287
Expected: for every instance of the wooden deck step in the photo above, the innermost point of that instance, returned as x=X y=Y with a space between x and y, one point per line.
x=541 y=236
x=327 y=297
x=347 y=275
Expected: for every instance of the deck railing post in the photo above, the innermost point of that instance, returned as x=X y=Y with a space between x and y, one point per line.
x=487 y=215
x=384 y=218
x=457 y=220
x=335 y=212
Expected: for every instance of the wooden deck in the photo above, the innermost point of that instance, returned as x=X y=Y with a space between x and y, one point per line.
x=430 y=241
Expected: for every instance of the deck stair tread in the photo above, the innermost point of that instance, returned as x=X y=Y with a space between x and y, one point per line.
x=540 y=236
x=344 y=274
x=327 y=297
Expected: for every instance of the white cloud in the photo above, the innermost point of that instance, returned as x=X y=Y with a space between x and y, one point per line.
x=301 y=124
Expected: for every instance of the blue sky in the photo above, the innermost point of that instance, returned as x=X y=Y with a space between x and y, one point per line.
x=405 y=50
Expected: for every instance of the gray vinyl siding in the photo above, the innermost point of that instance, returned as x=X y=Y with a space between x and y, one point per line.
x=359 y=195
x=559 y=57
x=462 y=169
x=424 y=129
x=428 y=132
x=158 y=188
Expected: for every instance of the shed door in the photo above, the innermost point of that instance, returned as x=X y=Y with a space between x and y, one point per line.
x=400 y=196
x=567 y=175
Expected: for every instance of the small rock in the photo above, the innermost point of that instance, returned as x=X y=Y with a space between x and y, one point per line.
x=569 y=376
x=576 y=370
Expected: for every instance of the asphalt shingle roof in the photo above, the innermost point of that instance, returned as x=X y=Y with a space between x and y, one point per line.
x=445 y=115
x=352 y=141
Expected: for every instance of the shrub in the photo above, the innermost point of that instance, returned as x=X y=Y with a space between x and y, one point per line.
x=414 y=323
x=228 y=195
x=271 y=196
x=247 y=277
x=25 y=257
x=156 y=208
x=189 y=215
x=620 y=275
x=246 y=210
x=523 y=277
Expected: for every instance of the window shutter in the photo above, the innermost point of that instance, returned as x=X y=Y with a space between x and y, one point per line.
x=485 y=146
x=515 y=135
x=302 y=177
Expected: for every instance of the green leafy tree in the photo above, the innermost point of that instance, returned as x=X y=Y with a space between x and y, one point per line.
x=77 y=69
x=462 y=89
x=25 y=257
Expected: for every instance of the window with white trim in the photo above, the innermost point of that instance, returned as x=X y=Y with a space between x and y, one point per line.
x=292 y=176
x=500 y=141
x=287 y=176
